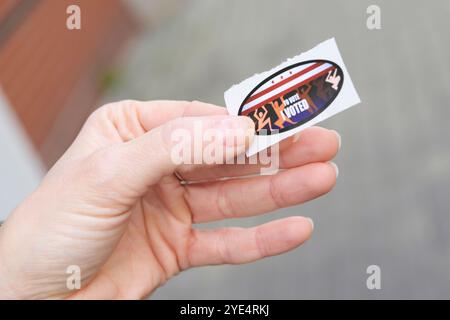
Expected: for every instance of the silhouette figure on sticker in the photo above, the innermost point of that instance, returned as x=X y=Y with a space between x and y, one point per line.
x=278 y=107
x=324 y=92
x=333 y=79
x=262 y=118
x=304 y=95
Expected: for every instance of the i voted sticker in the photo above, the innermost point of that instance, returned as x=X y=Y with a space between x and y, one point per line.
x=297 y=94
x=292 y=96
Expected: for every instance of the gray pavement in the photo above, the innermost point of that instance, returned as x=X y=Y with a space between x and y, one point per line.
x=392 y=202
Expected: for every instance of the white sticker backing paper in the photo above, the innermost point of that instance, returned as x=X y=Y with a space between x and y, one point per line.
x=293 y=96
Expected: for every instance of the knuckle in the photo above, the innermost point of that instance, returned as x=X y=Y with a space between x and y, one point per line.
x=223 y=247
x=276 y=194
x=103 y=111
x=262 y=245
x=124 y=104
x=110 y=109
x=224 y=205
x=124 y=116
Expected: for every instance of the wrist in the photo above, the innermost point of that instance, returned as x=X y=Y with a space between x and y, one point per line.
x=6 y=288
x=12 y=274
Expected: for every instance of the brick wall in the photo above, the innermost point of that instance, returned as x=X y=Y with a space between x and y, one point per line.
x=51 y=75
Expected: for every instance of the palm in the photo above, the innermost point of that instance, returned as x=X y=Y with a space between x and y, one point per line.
x=154 y=246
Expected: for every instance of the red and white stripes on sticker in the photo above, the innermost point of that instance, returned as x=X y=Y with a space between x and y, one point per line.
x=284 y=83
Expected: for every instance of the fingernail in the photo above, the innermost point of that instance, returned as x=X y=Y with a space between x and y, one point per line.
x=296 y=137
x=336 y=169
x=339 y=138
x=311 y=222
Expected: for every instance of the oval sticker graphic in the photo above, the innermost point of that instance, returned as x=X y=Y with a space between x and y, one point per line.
x=292 y=96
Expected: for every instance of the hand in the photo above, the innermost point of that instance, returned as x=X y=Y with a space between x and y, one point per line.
x=113 y=206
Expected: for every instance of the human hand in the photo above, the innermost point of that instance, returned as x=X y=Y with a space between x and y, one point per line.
x=113 y=206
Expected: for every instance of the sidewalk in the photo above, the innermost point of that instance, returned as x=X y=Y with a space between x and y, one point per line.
x=391 y=204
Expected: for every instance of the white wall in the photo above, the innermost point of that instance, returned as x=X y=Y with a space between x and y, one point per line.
x=20 y=167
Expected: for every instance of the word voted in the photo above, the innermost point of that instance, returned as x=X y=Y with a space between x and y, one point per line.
x=294 y=105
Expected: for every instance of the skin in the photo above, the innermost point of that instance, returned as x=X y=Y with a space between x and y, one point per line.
x=113 y=206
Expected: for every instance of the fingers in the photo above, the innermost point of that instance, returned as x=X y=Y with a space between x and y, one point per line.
x=240 y=245
x=314 y=144
x=256 y=195
x=143 y=161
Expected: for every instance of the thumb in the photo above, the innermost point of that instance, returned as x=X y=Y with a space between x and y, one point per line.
x=183 y=142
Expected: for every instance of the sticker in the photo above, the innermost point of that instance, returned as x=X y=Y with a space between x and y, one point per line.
x=297 y=94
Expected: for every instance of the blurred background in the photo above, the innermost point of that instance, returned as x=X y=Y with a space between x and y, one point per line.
x=391 y=204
